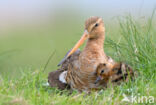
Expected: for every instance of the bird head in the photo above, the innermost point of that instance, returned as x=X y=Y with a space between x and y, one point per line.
x=94 y=28
x=101 y=72
x=105 y=71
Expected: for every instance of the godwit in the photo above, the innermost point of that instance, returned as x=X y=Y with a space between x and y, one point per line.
x=80 y=74
x=116 y=74
x=79 y=69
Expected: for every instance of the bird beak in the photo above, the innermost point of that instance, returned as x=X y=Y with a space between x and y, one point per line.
x=79 y=43
x=97 y=79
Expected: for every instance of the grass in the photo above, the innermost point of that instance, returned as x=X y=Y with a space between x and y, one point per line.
x=135 y=45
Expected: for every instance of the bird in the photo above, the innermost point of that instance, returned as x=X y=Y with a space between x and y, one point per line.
x=89 y=69
x=103 y=73
x=123 y=73
x=116 y=74
x=80 y=71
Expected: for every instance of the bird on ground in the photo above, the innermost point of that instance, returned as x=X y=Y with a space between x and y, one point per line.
x=116 y=74
x=80 y=72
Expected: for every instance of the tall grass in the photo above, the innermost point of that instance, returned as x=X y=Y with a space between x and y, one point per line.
x=136 y=47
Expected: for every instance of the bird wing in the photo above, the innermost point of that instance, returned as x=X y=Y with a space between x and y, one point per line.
x=65 y=62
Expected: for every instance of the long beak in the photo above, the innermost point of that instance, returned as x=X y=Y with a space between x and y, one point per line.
x=78 y=44
x=97 y=79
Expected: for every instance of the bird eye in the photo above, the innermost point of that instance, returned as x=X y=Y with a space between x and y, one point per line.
x=96 y=24
x=104 y=64
x=102 y=71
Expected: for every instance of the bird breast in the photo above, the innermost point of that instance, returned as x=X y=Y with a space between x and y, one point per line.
x=91 y=59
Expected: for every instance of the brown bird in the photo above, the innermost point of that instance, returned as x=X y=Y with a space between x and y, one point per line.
x=116 y=74
x=80 y=71
x=103 y=73
x=90 y=69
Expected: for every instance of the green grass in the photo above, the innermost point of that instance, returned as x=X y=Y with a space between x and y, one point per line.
x=135 y=44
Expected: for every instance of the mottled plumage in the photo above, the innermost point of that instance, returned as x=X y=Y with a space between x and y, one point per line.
x=78 y=68
x=80 y=73
x=116 y=74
